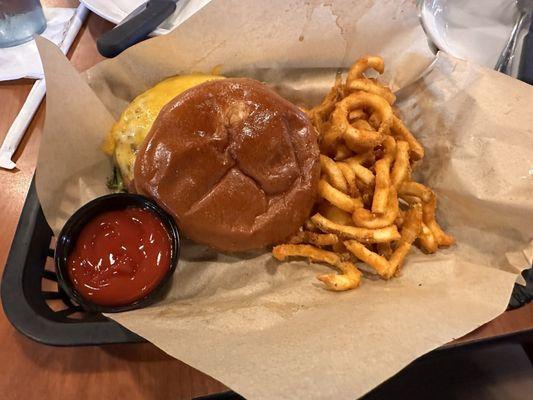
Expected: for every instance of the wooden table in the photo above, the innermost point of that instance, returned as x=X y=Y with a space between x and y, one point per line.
x=141 y=371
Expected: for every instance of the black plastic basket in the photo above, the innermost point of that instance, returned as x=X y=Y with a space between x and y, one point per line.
x=33 y=301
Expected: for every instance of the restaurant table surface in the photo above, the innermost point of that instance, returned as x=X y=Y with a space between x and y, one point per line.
x=29 y=370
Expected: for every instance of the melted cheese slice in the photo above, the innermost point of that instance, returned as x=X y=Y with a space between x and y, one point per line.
x=128 y=133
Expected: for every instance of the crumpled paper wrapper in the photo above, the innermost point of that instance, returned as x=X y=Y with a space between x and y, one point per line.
x=269 y=330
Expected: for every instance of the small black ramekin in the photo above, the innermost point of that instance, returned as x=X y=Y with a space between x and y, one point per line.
x=69 y=234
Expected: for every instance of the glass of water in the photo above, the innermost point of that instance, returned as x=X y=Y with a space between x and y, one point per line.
x=19 y=21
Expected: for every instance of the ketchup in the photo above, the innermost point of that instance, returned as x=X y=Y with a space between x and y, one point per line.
x=120 y=256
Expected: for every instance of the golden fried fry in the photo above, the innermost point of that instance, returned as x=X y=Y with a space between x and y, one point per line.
x=338 y=198
x=320 y=114
x=379 y=263
x=362 y=173
x=426 y=241
x=334 y=174
x=415 y=189
x=362 y=124
x=358 y=114
x=429 y=219
x=335 y=214
x=410 y=230
x=370 y=86
x=400 y=130
x=349 y=278
x=401 y=170
x=382 y=187
x=351 y=179
x=365 y=158
x=363 y=235
x=312 y=253
x=367 y=219
x=317 y=239
x=364 y=63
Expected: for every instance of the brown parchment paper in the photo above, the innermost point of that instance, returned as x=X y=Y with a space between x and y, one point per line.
x=266 y=329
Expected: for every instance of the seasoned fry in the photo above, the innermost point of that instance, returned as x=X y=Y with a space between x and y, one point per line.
x=312 y=253
x=320 y=114
x=401 y=169
x=364 y=63
x=363 y=235
x=362 y=124
x=348 y=279
x=351 y=179
x=426 y=241
x=366 y=219
x=401 y=131
x=358 y=114
x=334 y=174
x=379 y=263
x=317 y=239
x=362 y=173
x=369 y=86
x=334 y=214
x=366 y=158
x=382 y=187
x=410 y=230
x=429 y=219
x=415 y=189
x=338 y=198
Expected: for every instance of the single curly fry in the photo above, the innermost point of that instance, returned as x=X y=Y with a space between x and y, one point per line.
x=334 y=174
x=362 y=173
x=363 y=235
x=426 y=240
x=399 y=130
x=364 y=63
x=441 y=237
x=362 y=124
x=319 y=115
x=379 y=263
x=410 y=230
x=356 y=138
x=401 y=170
x=351 y=179
x=335 y=214
x=415 y=189
x=382 y=186
x=312 y=253
x=316 y=239
x=358 y=115
x=367 y=219
x=349 y=278
x=367 y=158
x=338 y=198
x=369 y=86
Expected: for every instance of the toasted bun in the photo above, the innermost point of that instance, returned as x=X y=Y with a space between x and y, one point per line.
x=235 y=164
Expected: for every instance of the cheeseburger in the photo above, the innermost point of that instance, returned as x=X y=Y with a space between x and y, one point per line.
x=234 y=163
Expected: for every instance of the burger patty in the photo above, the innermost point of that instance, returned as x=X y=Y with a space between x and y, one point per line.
x=234 y=163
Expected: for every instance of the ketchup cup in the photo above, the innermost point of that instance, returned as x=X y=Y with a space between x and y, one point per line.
x=117 y=253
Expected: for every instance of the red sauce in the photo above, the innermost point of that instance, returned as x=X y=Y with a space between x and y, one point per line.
x=120 y=256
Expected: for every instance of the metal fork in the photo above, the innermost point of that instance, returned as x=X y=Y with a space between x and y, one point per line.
x=525 y=8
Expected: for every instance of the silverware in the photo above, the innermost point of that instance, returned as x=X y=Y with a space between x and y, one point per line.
x=525 y=8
